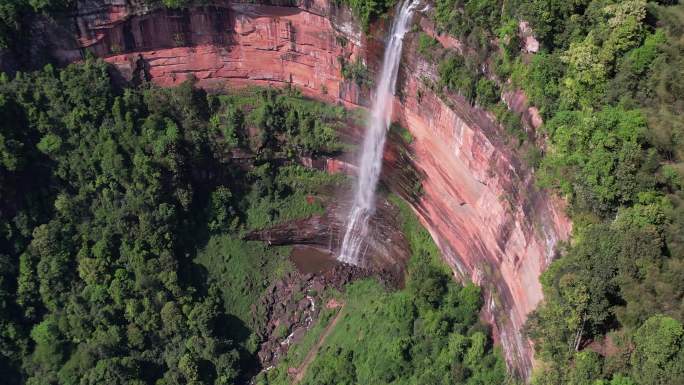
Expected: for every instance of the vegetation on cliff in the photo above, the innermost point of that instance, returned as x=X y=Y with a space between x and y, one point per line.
x=16 y=15
x=367 y=11
x=608 y=83
x=610 y=88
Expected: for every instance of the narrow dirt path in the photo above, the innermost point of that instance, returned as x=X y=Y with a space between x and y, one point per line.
x=301 y=370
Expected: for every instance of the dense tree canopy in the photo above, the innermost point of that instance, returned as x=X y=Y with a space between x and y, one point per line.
x=113 y=201
x=106 y=194
x=606 y=85
x=121 y=259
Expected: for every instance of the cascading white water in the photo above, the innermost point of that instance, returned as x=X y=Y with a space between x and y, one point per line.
x=370 y=163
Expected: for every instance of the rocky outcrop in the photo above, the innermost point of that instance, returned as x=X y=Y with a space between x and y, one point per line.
x=292 y=305
x=385 y=252
x=477 y=199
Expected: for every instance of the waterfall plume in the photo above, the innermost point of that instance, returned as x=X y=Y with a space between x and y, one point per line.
x=370 y=161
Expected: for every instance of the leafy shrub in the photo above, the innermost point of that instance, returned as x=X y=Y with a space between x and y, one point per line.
x=426 y=45
x=367 y=11
x=356 y=72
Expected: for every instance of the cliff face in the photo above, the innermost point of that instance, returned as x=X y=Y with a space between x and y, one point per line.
x=228 y=44
x=481 y=206
x=478 y=201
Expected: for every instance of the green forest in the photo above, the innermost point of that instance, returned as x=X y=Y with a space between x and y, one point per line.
x=615 y=144
x=118 y=207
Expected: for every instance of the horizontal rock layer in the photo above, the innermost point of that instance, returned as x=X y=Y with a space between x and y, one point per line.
x=478 y=201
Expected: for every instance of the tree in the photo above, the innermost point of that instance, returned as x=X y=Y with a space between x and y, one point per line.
x=596 y=157
x=585 y=81
x=221 y=211
x=49 y=352
x=658 y=357
x=428 y=285
x=587 y=368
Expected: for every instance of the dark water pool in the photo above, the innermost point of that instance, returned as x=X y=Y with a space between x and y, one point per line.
x=309 y=259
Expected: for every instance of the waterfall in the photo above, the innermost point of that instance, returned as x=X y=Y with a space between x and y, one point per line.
x=370 y=162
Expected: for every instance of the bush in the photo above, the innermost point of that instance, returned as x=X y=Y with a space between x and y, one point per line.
x=367 y=11
x=487 y=92
x=356 y=72
x=456 y=77
x=426 y=45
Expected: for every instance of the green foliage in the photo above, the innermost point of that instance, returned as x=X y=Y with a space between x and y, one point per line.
x=283 y=196
x=423 y=248
x=287 y=124
x=467 y=19
x=542 y=82
x=599 y=282
x=552 y=20
x=659 y=351
x=510 y=44
x=221 y=211
x=461 y=75
x=617 y=379
x=510 y=121
x=175 y=3
x=15 y=15
x=402 y=132
x=596 y=157
x=487 y=92
x=456 y=76
x=356 y=72
x=487 y=31
x=606 y=84
x=367 y=11
x=244 y=268
x=426 y=45
x=121 y=256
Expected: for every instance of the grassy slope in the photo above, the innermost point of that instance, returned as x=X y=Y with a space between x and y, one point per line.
x=243 y=269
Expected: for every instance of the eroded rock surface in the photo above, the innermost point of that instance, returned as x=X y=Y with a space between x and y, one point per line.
x=238 y=43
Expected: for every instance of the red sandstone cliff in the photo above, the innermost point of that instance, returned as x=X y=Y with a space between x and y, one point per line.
x=479 y=202
x=481 y=206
